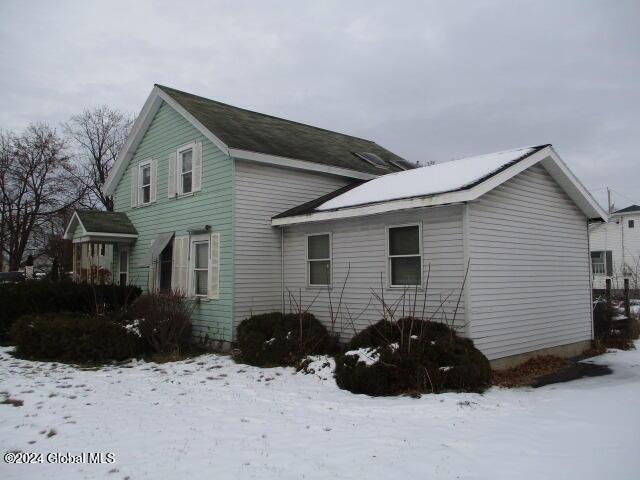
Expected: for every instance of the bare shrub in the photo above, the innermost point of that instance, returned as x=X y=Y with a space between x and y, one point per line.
x=163 y=321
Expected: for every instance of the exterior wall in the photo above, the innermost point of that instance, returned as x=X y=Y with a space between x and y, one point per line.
x=624 y=243
x=359 y=248
x=530 y=267
x=262 y=191
x=213 y=205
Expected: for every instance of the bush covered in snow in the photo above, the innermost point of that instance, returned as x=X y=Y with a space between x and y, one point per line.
x=78 y=338
x=45 y=296
x=411 y=356
x=163 y=321
x=274 y=339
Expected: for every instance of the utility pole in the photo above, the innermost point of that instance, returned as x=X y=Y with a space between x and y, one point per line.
x=609 y=207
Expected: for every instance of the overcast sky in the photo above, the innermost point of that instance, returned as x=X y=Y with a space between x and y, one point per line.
x=427 y=80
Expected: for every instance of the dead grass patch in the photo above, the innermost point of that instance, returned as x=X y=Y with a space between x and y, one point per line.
x=525 y=373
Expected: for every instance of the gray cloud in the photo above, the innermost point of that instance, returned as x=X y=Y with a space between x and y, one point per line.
x=429 y=80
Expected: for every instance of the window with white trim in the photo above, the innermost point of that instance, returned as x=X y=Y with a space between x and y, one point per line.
x=144 y=193
x=319 y=259
x=404 y=255
x=185 y=170
x=602 y=262
x=201 y=263
x=632 y=223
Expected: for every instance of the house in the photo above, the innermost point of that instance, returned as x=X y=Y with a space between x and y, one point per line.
x=615 y=249
x=249 y=213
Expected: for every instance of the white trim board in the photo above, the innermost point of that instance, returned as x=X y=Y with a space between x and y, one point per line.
x=546 y=157
x=150 y=108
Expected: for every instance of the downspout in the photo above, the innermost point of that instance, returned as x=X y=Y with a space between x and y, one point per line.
x=622 y=236
x=282 y=267
x=591 y=275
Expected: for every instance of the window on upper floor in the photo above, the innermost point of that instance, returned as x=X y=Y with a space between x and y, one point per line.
x=404 y=256
x=185 y=170
x=319 y=260
x=632 y=223
x=144 y=193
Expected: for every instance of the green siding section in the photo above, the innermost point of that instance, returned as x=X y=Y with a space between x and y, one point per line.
x=78 y=231
x=213 y=205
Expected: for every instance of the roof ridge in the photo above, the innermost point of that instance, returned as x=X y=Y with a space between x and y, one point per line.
x=265 y=114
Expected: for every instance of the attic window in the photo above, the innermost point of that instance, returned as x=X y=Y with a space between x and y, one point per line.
x=372 y=159
x=632 y=223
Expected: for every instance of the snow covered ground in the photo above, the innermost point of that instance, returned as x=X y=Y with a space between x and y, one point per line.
x=211 y=418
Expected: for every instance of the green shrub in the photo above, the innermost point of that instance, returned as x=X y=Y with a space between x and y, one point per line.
x=411 y=356
x=66 y=337
x=36 y=297
x=274 y=339
x=163 y=321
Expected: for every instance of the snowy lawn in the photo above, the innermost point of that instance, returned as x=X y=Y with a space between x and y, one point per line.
x=211 y=418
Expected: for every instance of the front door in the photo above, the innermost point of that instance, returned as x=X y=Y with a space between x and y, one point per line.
x=165 y=267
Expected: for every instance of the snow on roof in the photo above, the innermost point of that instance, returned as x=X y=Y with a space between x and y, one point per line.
x=424 y=181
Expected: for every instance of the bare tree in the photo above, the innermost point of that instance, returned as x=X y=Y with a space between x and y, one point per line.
x=37 y=183
x=98 y=134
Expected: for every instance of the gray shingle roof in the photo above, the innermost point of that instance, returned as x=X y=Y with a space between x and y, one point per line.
x=106 y=222
x=629 y=209
x=257 y=132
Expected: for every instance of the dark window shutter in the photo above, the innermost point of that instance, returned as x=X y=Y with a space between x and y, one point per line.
x=609 y=263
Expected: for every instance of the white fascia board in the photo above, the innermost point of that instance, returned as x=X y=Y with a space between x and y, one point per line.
x=193 y=121
x=574 y=188
x=100 y=237
x=68 y=235
x=547 y=156
x=377 y=208
x=151 y=106
x=297 y=164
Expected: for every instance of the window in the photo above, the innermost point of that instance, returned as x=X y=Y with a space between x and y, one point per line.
x=319 y=259
x=632 y=223
x=404 y=256
x=124 y=265
x=602 y=262
x=201 y=268
x=185 y=170
x=145 y=183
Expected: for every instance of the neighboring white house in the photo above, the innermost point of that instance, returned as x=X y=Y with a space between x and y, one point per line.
x=615 y=249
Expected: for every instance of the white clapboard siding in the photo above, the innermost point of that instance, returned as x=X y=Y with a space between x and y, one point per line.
x=214 y=271
x=180 y=264
x=359 y=264
x=530 y=287
x=197 y=167
x=263 y=191
x=134 y=186
x=171 y=175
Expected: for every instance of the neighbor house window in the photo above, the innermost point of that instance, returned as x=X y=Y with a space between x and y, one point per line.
x=124 y=265
x=185 y=170
x=200 y=277
x=632 y=223
x=602 y=262
x=319 y=259
x=404 y=256
x=145 y=183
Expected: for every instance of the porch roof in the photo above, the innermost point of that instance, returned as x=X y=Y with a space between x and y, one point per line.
x=98 y=226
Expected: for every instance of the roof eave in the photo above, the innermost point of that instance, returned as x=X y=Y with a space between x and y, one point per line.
x=547 y=156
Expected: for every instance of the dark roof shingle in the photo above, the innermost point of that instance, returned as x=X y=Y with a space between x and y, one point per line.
x=629 y=209
x=106 y=222
x=257 y=132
